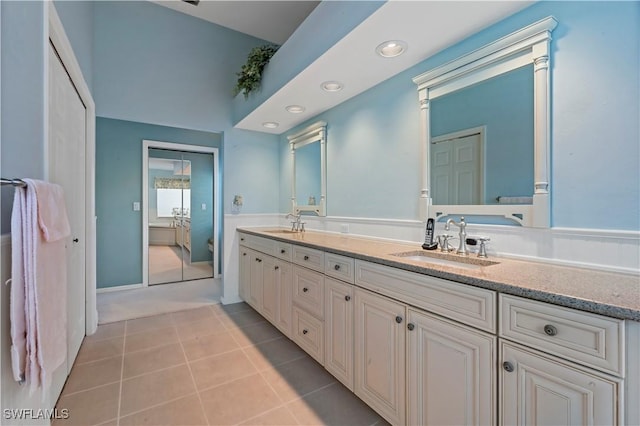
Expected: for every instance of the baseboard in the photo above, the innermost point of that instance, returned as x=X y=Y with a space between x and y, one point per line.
x=119 y=288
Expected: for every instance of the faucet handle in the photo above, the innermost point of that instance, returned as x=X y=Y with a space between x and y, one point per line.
x=482 y=250
x=443 y=240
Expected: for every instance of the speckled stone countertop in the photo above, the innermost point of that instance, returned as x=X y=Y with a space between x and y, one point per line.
x=605 y=293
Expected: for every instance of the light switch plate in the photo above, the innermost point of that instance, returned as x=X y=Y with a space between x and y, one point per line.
x=136 y=206
x=204 y=206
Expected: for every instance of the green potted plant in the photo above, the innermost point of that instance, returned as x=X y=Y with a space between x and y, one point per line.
x=250 y=75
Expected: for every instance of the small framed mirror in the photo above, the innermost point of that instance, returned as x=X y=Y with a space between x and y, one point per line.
x=485 y=132
x=309 y=170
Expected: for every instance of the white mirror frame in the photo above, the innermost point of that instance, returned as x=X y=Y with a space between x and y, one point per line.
x=529 y=45
x=316 y=132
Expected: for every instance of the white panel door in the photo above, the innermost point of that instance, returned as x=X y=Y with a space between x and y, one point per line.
x=256 y=280
x=540 y=390
x=451 y=373
x=456 y=171
x=380 y=354
x=66 y=159
x=270 y=288
x=284 y=277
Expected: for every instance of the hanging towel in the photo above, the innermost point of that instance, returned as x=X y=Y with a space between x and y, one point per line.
x=39 y=227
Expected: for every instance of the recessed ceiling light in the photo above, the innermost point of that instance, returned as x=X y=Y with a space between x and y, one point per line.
x=270 y=124
x=391 y=48
x=332 y=86
x=295 y=109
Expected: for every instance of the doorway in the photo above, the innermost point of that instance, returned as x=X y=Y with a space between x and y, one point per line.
x=180 y=213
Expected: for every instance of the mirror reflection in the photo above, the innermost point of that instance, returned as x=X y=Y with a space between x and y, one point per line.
x=180 y=216
x=482 y=142
x=308 y=174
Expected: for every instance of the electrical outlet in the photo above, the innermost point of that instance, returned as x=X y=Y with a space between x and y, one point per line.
x=136 y=206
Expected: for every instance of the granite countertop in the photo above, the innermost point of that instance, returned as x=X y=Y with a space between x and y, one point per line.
x=611 y=294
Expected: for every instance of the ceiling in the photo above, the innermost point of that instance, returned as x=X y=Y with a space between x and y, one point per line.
x=273 y=21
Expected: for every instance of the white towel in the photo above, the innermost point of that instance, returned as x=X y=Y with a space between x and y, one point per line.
x=39 y=226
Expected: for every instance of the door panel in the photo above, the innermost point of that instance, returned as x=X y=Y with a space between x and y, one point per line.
x=67 y=140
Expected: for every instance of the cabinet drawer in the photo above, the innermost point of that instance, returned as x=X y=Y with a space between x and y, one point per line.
x=263 y=245
x=340 y=267
x=308 y=333
x=469 y=305
x=308 y=290
x=283 y=251
x=309 y=258
x=589 y=339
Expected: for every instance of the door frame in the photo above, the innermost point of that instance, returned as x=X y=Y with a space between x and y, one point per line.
x=58 y=38
x=217 y=188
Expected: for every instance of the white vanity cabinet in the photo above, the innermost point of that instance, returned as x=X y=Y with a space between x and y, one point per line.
x=571 y=373
x=380 y=354
x=338 y=321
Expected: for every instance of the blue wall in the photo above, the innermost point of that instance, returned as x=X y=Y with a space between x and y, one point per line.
x=119 y=185
x=77 y=19
x=373 y=145
x=156 y=65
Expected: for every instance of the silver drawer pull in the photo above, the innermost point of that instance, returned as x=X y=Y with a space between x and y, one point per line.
x=550 y=330
x=398 y=319
x=337 y=267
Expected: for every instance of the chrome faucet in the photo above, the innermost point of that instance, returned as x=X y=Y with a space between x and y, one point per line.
x=296 y=226
x=462 y=247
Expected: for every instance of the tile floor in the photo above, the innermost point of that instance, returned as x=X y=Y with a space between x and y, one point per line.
x=214 y=365
x=171 y=264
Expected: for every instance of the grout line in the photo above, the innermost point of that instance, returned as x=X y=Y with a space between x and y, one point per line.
x=169 y=401
x=88 y=389
x=124 y=345
x=193 y=380
x=235 y=379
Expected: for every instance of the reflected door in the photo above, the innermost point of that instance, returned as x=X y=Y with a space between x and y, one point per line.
x=180 y=216
x=456 y=171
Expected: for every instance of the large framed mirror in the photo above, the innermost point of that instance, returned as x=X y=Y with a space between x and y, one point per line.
x=309 y=170
x=485 y=132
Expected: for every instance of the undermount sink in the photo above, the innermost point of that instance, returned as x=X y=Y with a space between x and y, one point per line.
x=282 y=231
x=445 y=259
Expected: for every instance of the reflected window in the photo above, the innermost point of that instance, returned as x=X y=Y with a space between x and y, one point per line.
x=170 y=201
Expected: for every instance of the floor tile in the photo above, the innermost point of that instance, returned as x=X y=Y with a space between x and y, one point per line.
x=225 y=310
x=91 y=407
x=215 y=370
x=185 y=411
x=297 y=378
x=279 y=416
x=333 y=405
x=238 y=401
x=92 y=374
x=150 y=338
x=149 y=323
x=107 y=331
x=159 y=387
x=241 y=319
x=192 y=330
x=273 y=353
x=212 y=344
x=191 y=315
x=99 y=349
x=254 y=334
x=153 y=359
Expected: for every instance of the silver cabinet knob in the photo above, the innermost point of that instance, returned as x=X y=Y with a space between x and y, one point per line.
x=508 y=367
x=411 y=326
x=337 y=267
x=398 y=319
x=550 y=330
x=347 y=298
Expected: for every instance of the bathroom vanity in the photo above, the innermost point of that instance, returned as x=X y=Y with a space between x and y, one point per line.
x=453 y=340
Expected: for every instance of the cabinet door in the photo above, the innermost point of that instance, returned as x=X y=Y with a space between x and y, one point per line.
x=255 y=281
x=451 y=373
x=380 y=354
x=270 y=288
x=339 y=331
x=537 y=389
x=283 y=313
x=245 y=272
